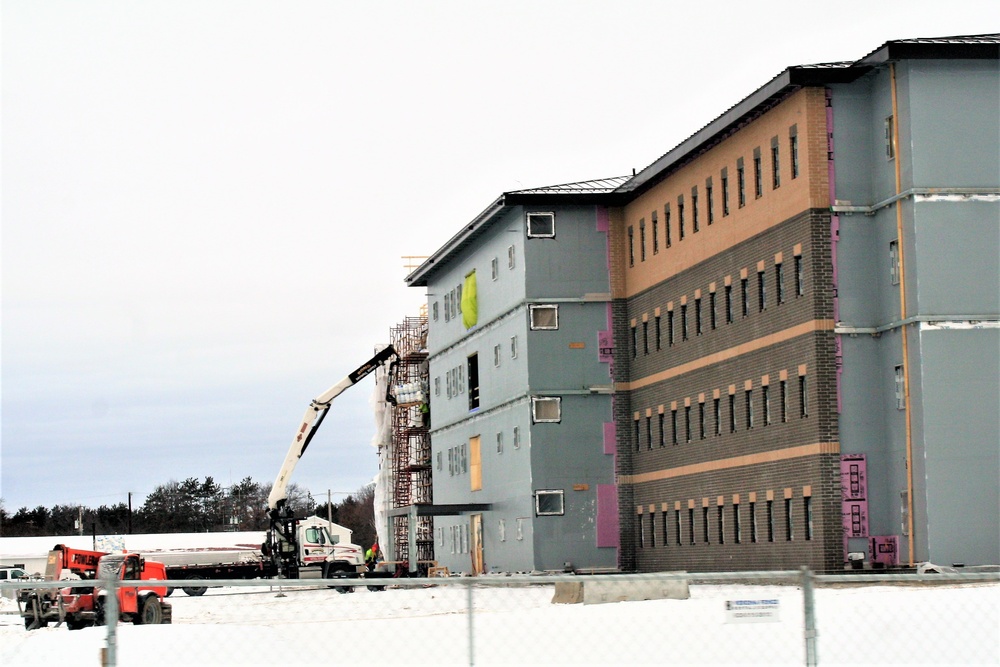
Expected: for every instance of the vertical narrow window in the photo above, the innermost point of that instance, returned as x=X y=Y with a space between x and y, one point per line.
x=900 y=384
x=779 y=282
x=684 y=321
x=665 y=530
x=729 y=304
x=656 y=327
x=673 y=426
x=670 y=328
x=807 y=510
x=890 y=144
x=687 y=423
x=741 y=184
x=745 y=297
x=641 y=525
x=894 y=262
x=496 y=356
x=642 y=240
x=758 y=176
x=793 y=149
x=732 y=413
x=770 y=521
x=765 y=397
x=680 y=218
x=783 y=398
x=694 y=209
x=737 y=528
x=788 y=519
x=517 y=437
x=717 y=411
x=434 y=310
x=631 y=246
x=437 y=386
x=474 y=464
x=494 y=268
x=666 y=224
x=697 y=317
x=761 y=291
x=721 y=523
x=709 y=202
x=473 y=382
x=447 y=307
x=649 y=432
x=500 y=443
x=645 y=336
x=775 y=165
x=513 y=347
x=663 y=437
x=652 y=529
x=724 y=180
x=690 y=525
x=800 y=276
x=803 y=397
x=712 y=315
x=704 y=525
x=656 y=233
x=748 y=394
x=701 y=420
x=636 y=433
x=510 y=257
x=635 y=341
x=753 y=522
x=677 y=525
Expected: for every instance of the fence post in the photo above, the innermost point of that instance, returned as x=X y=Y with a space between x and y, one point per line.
x=111 y=619
x=472 y=652
x=809 y=603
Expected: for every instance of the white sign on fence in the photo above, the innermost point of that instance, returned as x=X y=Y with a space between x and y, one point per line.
x=752 y=611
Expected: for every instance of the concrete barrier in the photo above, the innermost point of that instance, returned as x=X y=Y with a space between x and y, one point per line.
x=599 y=590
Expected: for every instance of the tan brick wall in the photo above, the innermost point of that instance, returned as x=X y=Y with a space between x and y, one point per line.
x=806 y=109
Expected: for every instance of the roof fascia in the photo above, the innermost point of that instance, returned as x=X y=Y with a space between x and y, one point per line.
x=418 y=278
x=893 y=51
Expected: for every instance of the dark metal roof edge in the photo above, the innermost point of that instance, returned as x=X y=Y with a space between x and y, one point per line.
x=418 y=278
x=932 y=48
x=540 y=198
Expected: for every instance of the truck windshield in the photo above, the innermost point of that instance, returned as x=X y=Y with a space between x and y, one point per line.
x=110 y=566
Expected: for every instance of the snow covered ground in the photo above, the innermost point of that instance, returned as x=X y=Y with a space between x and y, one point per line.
x=914 y=624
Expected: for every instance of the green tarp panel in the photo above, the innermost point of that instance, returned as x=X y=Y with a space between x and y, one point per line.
x=470 y=312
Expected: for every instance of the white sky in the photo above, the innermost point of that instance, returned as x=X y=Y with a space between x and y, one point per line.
x=205 y=204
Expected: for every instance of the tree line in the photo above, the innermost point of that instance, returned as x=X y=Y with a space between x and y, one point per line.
x=191 y=506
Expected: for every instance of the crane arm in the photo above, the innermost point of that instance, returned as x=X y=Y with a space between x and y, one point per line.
x=311 y=421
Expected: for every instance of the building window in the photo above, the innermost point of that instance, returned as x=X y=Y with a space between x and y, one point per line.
x=900 y=383
x=473 y=382
x=510 y=257
x=496 y=356
x=687 y=423
x=494 y=268
x=677 y=525
x=758 y=176
x=641 y=528
x=645 y=336
x=544 y=317
x=788 y=519
x=434 y=311
x=775 y=165
x=765 y=397
x=712 y=316
x=697 y=317
x=753 y=522
x=670 y=328
x=541 y=225
x=779 y=282
x=631 y=246
x=737 y=528
x=649 y=432
x=709 y=203
x=729 y=304
x=761 y=291
x=520 y=529
x=793 y=149
x=701 y=420
x=732 y=413
x=673 y=426
x=719 y=509
x=748 y=394
x=807 y=509
x=724 y=179
x=680 y=218
x=635 y=341
x=546 y=409
x=690 y=525
x=447 y=307
x=663 y=436
x=704 y=525
x=437 y=386
x=783 y=398
x=517 y=437
x=741 y=184
x=894 y=262
x=656 y=233
x=665 y=529
x=684 y=321
x=803 y=397
x=549 y=502
x=656 y=326
x=500 y=443
x=694 y=209
x=642 y=240
x=890 y=144
x=800 y=277
x=440 y=460
x=513 y=347
x=745 y=297
x=770 y=521
x=717 y=411
x=502 y=530
x=666 y=224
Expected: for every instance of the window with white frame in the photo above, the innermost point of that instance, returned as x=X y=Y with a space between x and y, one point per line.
x=900 y=388
x=502 y=530
x=496 y=355
x=549 y=502
x=500 y=442
x=510 y=257
x=546 y=409
x=513 y=347
x=894 y=262
x=434 y=310
x=544 y=316
x=494 y=268
x=541 y=225
x=437 y=386
x=440 y=460
x=517 y=437
x=520 y=529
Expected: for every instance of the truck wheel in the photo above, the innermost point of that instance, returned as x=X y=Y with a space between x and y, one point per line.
x=73 y=624
x=194 y=591
x=150 y=613
x=169 y=592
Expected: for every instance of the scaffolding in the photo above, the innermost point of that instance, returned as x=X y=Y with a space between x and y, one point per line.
x=411 y=445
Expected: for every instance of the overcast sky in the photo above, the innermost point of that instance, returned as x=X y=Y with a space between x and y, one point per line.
x=205 y=204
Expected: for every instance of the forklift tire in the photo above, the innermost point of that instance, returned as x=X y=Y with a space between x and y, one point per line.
x=150 y=612
x=78 y=625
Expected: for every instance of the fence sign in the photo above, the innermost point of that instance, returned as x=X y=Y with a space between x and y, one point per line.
x=752 y=611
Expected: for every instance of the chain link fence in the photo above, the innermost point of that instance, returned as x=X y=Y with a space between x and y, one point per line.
x=777 y=618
